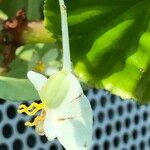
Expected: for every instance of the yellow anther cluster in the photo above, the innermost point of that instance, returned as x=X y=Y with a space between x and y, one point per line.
x=32 y=110
x=35 y=122
x=40 y=66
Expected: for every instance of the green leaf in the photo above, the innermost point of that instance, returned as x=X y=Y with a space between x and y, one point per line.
x=110 y=43
x=17 y=89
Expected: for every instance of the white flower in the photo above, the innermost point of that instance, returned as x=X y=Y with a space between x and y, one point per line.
x=67 y=111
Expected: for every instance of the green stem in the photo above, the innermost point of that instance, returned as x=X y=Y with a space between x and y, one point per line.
x=65 y=37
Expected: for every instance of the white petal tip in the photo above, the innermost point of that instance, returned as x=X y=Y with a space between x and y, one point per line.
x=37 y=79
x=31 y=74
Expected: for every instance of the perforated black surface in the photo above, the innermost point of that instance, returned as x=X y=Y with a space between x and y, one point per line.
x=118 y=125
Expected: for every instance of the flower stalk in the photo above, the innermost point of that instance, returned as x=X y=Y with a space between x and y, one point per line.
x=65 y=37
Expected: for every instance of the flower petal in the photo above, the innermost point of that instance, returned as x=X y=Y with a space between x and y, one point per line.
x=58 y=88
x=72 y=118
x=73 y=124
x=37 y=79
x=70 y=113
x=48 y=127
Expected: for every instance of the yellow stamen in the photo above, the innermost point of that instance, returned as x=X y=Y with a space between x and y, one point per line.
x=35 y=122
x=40 y=66
x=32 y=110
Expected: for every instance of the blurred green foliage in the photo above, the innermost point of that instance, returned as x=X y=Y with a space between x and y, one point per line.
x=110 y=43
